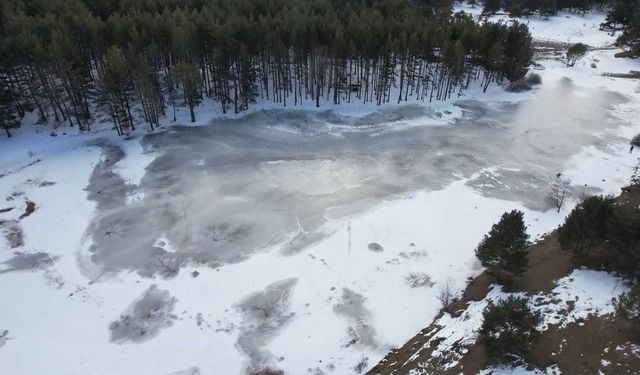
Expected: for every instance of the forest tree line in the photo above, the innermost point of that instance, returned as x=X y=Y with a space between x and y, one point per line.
x=520 y=8
x=67 y=59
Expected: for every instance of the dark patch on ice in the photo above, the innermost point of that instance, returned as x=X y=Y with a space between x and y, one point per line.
x=14 y=195
x=106 y=187
x=12 y=231
x=3 y=210
x=419 y=280
x=4 y=337
x=144 y=319
x=10 y=172
x=189 y=371
x=360 y=332
x=265 y=314
x=27 y=261
x=375 y=247
x=46 y=183
x=267 y=371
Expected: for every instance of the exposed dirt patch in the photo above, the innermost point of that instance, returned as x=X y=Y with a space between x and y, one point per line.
x=3 y=210
x=547 y=263
x=31 y=207
x=586 y=347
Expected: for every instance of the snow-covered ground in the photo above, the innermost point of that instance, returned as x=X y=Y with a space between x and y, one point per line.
x=298 y=239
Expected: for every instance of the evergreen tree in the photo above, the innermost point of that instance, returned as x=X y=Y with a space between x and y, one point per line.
x=491 y=6
x=8 y=114
x=188 y=75
x=576 y=52
x=116 y=89
x=586 y=225
x=508 y=329
x=623 y=235
x=503 y=251
x=628 y=305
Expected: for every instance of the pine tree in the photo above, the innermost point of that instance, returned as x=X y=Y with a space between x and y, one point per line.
x=188 y=75
x=508 y=328
x=503 y=251
x=8 y=114
x=623 y=237
x=491 y=6
x=586 y=225
x=628 y=305
x=116 y=89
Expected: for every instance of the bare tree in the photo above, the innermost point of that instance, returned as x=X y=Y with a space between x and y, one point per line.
x=446 y=292
x=559 y=191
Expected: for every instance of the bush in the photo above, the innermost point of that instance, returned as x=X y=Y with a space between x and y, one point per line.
x=600 y=230
x=576 y=52
x=628 y=305
x=503 y=251
x=525 y=83
x=586 y=225
x=508 y=328
x=623 y=234
x=491 y=6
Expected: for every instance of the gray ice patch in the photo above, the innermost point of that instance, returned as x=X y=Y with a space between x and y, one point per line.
x=189 y=371
x=352 y=308
x=265 y=314
x=144 y=319
x=27 y=262
x=106 y=187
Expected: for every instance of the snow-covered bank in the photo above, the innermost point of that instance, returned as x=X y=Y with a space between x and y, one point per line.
x=577 y=296
x=380 y=215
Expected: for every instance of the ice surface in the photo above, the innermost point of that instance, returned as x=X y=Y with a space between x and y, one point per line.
x=26 y=261
x=221 y=192
x=145 y=317
x=264 y=314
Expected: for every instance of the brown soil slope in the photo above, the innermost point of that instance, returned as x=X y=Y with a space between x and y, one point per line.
x=602 y=344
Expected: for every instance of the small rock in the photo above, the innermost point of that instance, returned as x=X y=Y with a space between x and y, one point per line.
x=195 y=274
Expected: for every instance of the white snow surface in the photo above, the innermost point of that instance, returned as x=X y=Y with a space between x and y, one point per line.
x=347 y=305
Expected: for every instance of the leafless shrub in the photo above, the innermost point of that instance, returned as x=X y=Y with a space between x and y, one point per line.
x=559 y=191
x=446 y=293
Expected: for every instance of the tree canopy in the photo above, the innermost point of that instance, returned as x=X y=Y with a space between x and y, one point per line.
x=503 y=251
x=508 y=329
x=65 y=58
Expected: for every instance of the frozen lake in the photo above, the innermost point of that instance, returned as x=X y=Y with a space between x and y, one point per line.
x=217 y=194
